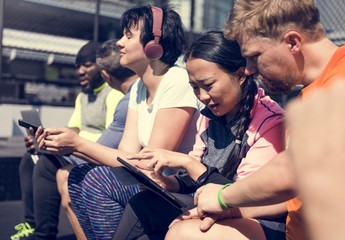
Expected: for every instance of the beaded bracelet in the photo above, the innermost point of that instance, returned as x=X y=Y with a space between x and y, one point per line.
x=220 y=199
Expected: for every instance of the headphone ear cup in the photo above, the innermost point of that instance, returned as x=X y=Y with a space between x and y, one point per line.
x=153 y=50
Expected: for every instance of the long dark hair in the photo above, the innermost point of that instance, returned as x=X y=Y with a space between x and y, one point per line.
x=214 y=47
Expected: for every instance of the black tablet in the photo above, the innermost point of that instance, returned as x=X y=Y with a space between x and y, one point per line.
x=30 y=117
x=27 y=125
x=152 y=185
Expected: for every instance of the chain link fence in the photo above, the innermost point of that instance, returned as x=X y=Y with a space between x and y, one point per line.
x=47 y=66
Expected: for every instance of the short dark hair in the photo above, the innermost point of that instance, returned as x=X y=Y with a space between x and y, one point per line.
x=173 y=38
x=87 y=53
x=108 y=58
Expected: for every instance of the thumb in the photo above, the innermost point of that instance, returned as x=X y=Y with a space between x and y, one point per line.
x=207 y=223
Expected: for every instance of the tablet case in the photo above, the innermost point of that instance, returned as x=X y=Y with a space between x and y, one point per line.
x=152 y=185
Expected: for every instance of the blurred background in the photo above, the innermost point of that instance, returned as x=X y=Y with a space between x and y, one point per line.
x=39 y=40
x=38 y=43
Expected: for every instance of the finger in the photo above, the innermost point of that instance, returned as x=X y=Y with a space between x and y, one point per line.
x=200 y=211
x=158 y=170
x=41 y=140
x=207 y=223
x=142 y=167
x=37 y=133
x=151 y=164
x=31 y=147
x=138 y=156
x=160 y=165
x=31 y=131
x=192 y=213
x=146 y=150
x=27 y=138
x=29 y=143
x=197 y=194
x=40 y=134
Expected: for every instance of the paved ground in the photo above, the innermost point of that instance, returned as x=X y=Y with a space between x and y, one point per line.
x=11 y=209
x=11 y=213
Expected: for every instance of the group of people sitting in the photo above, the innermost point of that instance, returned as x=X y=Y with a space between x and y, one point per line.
x=207 y=133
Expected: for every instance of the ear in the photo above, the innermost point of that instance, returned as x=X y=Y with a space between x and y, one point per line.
x=241 y=75
x=294 y=41
x=105 y=75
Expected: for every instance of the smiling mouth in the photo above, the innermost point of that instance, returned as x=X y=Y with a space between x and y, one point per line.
x=83 y=81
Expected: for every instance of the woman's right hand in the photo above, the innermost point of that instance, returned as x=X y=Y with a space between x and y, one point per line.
x=57 y=140
x=158 y=159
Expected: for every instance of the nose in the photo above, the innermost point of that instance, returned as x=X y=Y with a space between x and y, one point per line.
x=119 y=43
x=80 y=70
x=203 y=96
x=250 y=68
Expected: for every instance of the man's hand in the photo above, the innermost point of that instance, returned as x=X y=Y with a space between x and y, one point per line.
x=30 y=144
x=206 y=221
x=206 y=200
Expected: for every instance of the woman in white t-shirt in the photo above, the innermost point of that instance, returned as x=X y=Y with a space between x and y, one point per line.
x=162 y=113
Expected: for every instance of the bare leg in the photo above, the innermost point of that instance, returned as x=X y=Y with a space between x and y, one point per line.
x=62 y=182
x=228 y=229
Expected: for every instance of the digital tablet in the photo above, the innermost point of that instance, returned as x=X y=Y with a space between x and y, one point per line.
x=152 y=185
x=30 y=117
x=27 y=125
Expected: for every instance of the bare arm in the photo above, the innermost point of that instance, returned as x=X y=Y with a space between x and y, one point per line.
x=318 y=154
x=58 y=141
x=273 y=183
x=170 y=127
x=63 y=140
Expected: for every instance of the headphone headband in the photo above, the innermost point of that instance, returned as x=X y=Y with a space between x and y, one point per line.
x=157 y=15
x=153 y=49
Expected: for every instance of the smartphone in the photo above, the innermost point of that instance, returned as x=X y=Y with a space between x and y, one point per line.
x=27 y=125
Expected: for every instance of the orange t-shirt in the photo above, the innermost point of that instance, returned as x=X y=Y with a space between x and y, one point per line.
x=335 y=70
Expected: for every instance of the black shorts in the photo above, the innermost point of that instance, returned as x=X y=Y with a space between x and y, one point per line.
x=273 y=230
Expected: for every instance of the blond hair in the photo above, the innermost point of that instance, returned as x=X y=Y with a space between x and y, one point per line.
x=271 y=18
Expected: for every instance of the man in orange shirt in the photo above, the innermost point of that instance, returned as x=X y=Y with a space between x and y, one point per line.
x=286 y=44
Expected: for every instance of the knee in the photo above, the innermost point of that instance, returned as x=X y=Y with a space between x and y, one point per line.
x=97 y=177
x=46 y=167
x=26 y=162
x=179 y=231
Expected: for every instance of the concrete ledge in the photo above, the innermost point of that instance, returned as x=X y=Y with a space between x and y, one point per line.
x=12 y=147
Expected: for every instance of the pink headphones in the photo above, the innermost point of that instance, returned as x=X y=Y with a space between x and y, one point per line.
x=153 y=49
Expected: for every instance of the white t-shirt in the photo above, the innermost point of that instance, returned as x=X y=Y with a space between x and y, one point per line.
x=173 y=91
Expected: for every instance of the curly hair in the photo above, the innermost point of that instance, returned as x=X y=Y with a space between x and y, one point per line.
x=271 y=18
